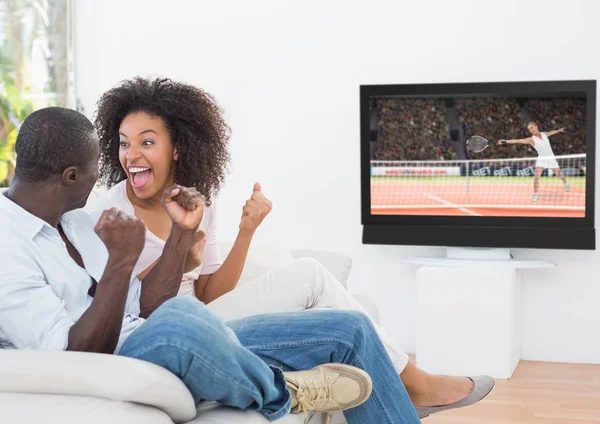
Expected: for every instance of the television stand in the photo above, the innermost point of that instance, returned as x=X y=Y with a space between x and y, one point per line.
x=469 y=311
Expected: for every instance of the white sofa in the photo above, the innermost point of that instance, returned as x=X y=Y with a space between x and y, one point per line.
x=74 y=387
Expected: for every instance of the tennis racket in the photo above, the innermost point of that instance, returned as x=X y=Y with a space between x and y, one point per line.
x=477 y=144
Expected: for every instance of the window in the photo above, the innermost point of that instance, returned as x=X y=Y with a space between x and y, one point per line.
x=36 y=66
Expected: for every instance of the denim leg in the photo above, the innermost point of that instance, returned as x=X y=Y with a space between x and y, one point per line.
x=184 y=337
x=303 y=340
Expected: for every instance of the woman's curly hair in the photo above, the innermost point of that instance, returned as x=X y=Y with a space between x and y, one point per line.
x=192 y=117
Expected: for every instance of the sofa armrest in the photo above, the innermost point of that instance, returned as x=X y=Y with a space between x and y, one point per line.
x=339 y=264
x=96 y=375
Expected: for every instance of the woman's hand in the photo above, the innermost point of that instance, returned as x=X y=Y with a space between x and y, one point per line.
x=254 y=211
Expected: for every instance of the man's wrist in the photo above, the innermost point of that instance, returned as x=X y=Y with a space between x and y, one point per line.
x=180 y=230
x=181 y=235
x=121 y=263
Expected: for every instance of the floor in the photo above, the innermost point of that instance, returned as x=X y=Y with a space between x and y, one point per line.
x=538 y=393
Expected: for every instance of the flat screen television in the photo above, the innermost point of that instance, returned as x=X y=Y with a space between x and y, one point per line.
x=499 y=164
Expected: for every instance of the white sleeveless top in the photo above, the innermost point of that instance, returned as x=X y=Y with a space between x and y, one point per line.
x=542 y=146
x=116 y=197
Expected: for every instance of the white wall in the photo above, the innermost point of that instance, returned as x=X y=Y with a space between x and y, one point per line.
x=287 y=75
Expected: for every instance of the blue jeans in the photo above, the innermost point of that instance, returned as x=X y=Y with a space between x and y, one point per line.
x=243 y=368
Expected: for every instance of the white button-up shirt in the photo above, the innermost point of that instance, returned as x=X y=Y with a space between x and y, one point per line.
x=43 y=291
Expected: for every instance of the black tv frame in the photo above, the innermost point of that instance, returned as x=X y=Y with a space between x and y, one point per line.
x=469 y=231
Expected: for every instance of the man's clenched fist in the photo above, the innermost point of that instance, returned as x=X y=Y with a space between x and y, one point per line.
x=123 y=235
x=185 y=206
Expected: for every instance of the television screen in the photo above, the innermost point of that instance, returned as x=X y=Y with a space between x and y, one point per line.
x=490 y=164
x=478 y=155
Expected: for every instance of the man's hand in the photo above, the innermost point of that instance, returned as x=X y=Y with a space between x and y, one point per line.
x=185 y=206
x=123 y=235
x=255 y=210
x=560 y=130
x=98 y=328
x=194 y=256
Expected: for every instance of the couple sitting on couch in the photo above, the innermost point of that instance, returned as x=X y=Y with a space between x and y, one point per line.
x=143 y=277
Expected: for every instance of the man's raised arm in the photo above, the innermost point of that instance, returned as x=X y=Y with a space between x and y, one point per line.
x=98 y=329
x=185 y=207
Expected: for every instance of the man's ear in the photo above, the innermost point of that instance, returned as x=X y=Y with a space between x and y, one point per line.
x=175 y=155
x=69 y=175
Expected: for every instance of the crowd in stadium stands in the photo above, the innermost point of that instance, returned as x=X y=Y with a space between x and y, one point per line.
x=493 y=119
x=412 y=129
x=417 y=129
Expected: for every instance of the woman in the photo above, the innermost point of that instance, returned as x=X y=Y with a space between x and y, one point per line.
x=154 y=133
x=540 y=141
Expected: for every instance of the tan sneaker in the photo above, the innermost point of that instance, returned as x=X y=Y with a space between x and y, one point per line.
x=328 y=388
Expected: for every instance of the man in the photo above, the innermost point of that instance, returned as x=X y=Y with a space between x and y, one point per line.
x=66 y=284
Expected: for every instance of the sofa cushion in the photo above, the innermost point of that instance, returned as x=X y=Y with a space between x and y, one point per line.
x=33 y=408
x=110 y=377
x=212 y=413
x=261 y=258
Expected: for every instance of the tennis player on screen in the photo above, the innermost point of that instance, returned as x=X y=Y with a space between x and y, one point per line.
x=540 y=141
